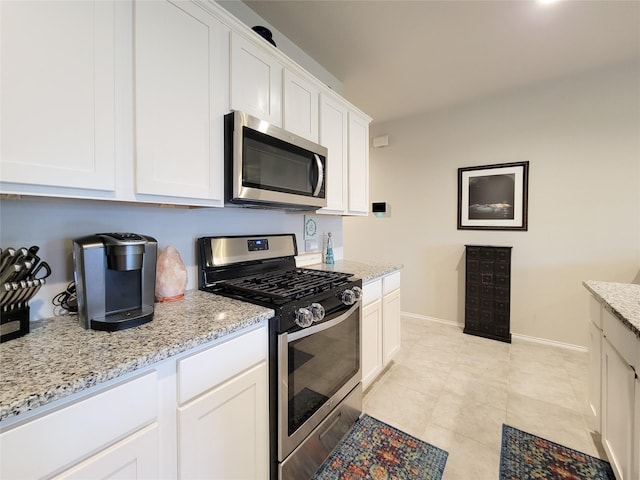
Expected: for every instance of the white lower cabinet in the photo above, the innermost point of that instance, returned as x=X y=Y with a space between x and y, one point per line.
x=135 y=457
x=380 y=325
x=223 y=434
x=99 y=434
x=635 y=474
x=595 y=363
x=223 y=425
x=217 y=397
x=371 y=332
x=391 y=317
x=618 y=406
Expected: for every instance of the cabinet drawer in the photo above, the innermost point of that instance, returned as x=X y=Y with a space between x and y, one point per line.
x=371 y=292
x=502 y=306
x=486 y=278
x=486 y=267
x=502 y=268
x=486 y=303
x=503 y=254
x=390 y=283
x=487 y=291
x=473 y=253
x=473 y=277
x=502 y=280
x=502 y=293
x=473 y=266
x=472 y=314
x=204 y=370
x=473 y=290
x=595 y=311
x=487 y=254
x=105 y=418
x=473 y=302
x=622 y=339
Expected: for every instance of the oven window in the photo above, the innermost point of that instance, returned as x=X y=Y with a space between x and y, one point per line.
x=319 y=365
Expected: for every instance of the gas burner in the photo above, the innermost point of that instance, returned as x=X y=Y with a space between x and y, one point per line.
x=285 y=285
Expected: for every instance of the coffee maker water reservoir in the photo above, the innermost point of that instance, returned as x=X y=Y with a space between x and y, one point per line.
x=115 y=275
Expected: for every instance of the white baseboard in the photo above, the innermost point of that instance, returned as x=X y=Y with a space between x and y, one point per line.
x=516 y=336
x=417 y=316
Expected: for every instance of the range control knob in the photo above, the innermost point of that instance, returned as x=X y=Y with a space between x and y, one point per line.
x=348 y=297
x=317 y=311
x=358 y=292
x=304 y=317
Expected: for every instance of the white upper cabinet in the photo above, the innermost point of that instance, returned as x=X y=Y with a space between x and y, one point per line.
x=125 y=100
x=181 y=95
x=256 y=80
x=358 y=164
x=300 y=106
x=57 y=98
x=333 y=135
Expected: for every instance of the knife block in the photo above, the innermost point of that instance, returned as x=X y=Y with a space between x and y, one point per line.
x=14 y=322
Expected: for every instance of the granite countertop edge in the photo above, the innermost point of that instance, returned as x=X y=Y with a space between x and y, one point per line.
x=35 y=372
x=622 y=300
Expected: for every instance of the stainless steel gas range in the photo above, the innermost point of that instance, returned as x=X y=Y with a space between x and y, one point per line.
x=315 y=390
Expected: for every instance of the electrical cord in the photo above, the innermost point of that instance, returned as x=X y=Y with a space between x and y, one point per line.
x=67 y=299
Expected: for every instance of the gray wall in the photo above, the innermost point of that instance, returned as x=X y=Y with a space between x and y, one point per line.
x=581 y=135
x=53 y=224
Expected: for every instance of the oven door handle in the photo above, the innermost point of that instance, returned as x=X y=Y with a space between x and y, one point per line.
x=305 y=332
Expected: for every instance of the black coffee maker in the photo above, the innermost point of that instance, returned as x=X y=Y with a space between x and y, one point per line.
x=115 y=275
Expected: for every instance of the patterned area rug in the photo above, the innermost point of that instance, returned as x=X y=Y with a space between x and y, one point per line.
x=525 y=456
x=374 y=450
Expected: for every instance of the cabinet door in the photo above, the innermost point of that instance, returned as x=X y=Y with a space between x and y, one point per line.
x=391 y=325
x=371 y=342
x=256 y=81
x=300 y=106
x=135 y=457
x=618 y=389
x=358 y=165
x=224 y=433
x=58 y=95
x=595 y=376
x=181 y=85
x=333 y=135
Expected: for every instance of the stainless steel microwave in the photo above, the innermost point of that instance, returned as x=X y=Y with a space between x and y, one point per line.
x=270 y=167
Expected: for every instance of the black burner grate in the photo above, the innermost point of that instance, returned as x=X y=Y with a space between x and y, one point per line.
x=285 y=285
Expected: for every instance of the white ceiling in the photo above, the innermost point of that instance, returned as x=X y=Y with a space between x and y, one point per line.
x=399 y=58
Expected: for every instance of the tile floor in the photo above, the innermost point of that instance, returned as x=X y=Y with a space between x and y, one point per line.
x=455 y=391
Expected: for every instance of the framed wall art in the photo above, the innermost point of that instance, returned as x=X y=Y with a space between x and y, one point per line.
x=493 y=197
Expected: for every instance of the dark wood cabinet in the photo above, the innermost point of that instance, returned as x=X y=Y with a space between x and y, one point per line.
x=488 y=292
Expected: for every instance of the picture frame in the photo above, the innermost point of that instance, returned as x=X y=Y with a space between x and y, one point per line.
x=493 y=197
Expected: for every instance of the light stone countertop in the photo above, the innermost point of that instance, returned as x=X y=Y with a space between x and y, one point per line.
x=621 y=299
x=59 y=358
x=366 y=271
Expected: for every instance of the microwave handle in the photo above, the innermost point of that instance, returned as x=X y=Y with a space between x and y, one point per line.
x=320 y=175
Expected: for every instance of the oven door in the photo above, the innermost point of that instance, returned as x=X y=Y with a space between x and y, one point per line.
x=317 y=367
